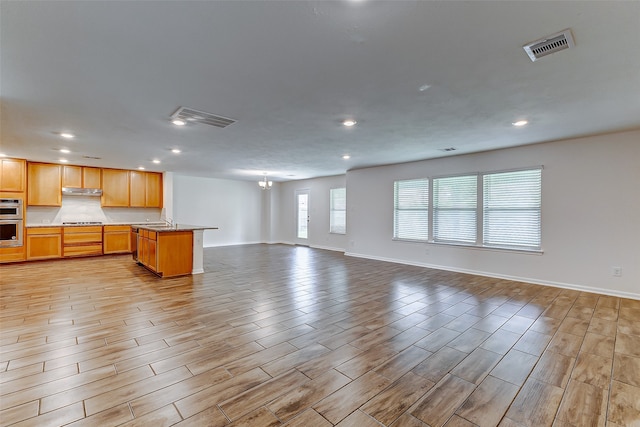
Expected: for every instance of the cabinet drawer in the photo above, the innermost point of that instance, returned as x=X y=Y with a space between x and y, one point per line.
x=115 y=228
x=83 y=250
x=80 y=238
x=43 y=230
x=83 y=229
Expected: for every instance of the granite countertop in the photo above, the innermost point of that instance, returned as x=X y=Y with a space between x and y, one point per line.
x=152 y=226
x=164 y=228
x=59 y=224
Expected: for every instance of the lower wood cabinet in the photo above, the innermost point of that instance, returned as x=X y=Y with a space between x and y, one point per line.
x=14 y=254
x=166 y=253
x=82 y=241
x=116 y=239
x=44 y=243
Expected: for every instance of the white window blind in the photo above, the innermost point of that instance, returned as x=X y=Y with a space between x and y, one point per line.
x=338 y=210
x=454 y=209
x=411 y=209
x=511 y=209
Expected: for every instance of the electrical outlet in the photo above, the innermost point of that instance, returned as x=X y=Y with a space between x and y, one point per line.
x=616 y=271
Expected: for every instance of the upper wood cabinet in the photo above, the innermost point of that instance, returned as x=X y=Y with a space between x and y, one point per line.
x=146 y=189
x=81 y=177
x=115 y=188
x=44 y=186
x=91 y=177
x=138 y=189
x=153 y=195
x=72 y=176
x=13 y=175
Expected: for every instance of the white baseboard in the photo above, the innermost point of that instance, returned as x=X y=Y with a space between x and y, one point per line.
x=231 y=244
x=327 y=248
x=562 y=285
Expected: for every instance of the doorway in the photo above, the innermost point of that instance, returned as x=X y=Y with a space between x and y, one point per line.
x=302 y=217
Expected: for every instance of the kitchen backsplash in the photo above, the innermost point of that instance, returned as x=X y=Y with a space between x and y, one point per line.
x=81 y=208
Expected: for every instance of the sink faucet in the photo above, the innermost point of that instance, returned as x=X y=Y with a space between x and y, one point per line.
x=169 y=222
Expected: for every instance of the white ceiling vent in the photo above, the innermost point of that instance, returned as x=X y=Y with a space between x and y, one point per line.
x=190 y=115
x=550 y=44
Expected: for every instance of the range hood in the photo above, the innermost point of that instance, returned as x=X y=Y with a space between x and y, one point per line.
x=68 y=191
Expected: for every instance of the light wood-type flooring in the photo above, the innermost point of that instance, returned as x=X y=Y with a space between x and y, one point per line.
x=276 y=335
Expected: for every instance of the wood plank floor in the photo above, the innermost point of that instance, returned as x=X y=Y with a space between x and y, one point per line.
x=276 y=335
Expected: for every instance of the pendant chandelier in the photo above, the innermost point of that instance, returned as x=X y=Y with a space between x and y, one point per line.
x=264 y=184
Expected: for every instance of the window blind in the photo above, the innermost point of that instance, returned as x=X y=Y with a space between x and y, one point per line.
x=411 y=209
x=338 y=210
x=512 y=209
x=454 y=209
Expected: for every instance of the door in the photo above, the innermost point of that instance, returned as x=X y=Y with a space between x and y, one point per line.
x=302 y=217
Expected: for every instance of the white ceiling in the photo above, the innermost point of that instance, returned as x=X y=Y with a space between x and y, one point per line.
x=290 y=71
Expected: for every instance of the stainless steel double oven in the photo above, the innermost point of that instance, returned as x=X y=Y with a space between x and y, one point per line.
x=11 y=223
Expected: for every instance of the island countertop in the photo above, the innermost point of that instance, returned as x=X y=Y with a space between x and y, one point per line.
x=164 y=228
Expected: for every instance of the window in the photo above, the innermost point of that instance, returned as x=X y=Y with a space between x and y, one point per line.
x=338 y=210
x=511 y=209
x=455 y=200
x=411 y=209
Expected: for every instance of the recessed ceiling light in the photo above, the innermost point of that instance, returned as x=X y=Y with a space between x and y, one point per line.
x=141 y=168
x=178 y=122
x=156 y=161
x=520 y=123
x=67 y=135
x=176 y=151
x=65 y=151
x=349 y=122
x=346 y=157
x=63 y=160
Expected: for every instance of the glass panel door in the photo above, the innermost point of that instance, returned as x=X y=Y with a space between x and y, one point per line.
x=302 y=217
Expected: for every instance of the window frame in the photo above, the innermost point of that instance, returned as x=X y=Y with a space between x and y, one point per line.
x=332 y=210
x=479 y=211
x=538 y=209
x=396 y=211
x=433 y=237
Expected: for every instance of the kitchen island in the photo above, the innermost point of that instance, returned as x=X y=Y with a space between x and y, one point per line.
x=169 y=250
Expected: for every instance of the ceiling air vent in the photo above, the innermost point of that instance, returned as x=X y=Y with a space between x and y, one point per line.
x=447 y=149
x=548 y=45
x=190 y=115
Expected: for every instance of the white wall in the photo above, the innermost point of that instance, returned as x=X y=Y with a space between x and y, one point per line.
x=590 y=219
x=319 y=204
x=236 y=207
x=590 y=214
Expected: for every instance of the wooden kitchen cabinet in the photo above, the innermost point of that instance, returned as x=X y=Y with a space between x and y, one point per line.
x=91 y=177
x=82 y=241
x=81 y=177
x=13 y=254
x=153 y=193
x=137 y=195
x=72 y=176
x=44 y=184
x=116 y=239
x=167 y=254
x=44 y=243
x=13 y=175
x=115 y=188
x=145 y=189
